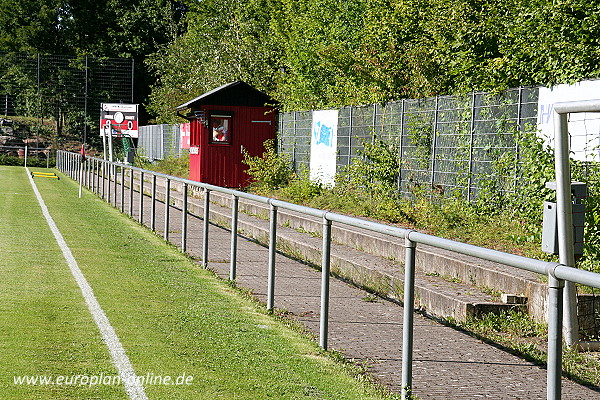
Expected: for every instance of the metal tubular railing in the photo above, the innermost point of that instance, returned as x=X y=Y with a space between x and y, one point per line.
x=557 y=274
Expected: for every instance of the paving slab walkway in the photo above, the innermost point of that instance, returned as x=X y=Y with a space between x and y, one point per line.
x=448 y=364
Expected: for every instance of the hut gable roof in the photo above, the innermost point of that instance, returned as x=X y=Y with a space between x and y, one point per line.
x=231 y=94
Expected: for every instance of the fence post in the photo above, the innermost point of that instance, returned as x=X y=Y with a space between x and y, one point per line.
x=472 y=133
x=519 y=130
x=95 y=179
x=400 y=146
x=234 y=228
x=153 y=205
x=114 y=168
x=565 y=223
x=123 y=189
x=374 y=123
x=131 y=172
x=80 y=172
x=109 y=169
x=407 y=324
x=103 y=179
x=141 y=219
x=555 y=316
x=184 y=218
x=272 y=252
x=88 y=163
x=325 y=268
x=434 y=142
x=206 y=224
x=350 y=126
x=167 y=207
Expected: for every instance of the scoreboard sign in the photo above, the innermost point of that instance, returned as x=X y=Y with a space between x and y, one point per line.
x=119 y=119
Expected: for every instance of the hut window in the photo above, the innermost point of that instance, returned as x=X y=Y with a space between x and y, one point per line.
x=221 y=128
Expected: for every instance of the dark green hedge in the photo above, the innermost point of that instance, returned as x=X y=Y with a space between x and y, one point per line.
x=31 y=161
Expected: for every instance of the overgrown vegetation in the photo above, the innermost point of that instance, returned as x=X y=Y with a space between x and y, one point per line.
x=368 y=188
x=176 y=166
x=517 y=332
x=505 y=215
x=270 y=170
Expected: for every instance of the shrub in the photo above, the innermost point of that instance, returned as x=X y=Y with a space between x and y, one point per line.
x=175 y=166
x=31 y=161
x=269 y=171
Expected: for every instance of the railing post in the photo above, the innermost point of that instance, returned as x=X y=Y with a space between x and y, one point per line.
x=123 y=189
x=206 y=224
x=131 y=172
x=325 y=269
x=103 y=180
x=95 y=177
x=167 y=207
x=272 y=252
x=108 y=168
x=564 y=223
x=555 y=317
x=153 y=205
x=184 y=218
x=86 y=173
x=234 y=228
x=407 y=324
x=80 y=173
x=141 y=219
x=114 y=167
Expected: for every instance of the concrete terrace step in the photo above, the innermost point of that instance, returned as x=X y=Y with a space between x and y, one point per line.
x=439 y=292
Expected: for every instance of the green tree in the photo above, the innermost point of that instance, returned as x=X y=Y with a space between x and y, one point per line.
x=30 y=26
x=312 y=54
x=226 y=40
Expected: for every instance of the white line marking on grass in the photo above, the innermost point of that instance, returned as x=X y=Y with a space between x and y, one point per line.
x=132 y=384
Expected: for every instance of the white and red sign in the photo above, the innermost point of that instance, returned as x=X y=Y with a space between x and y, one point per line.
x=118 y=120
x=185 y=135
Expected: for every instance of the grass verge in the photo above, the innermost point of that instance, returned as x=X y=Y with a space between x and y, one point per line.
x=172 y=318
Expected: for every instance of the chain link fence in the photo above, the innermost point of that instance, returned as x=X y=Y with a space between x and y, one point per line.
x=158 y=142
x=66 y=89
x=448 y=142
x=458 y=144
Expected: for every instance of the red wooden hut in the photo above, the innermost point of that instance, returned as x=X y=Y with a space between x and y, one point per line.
x=223 y=123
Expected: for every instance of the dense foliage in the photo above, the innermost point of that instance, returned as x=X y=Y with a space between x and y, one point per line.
x=312 y=54
x=99 y=28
